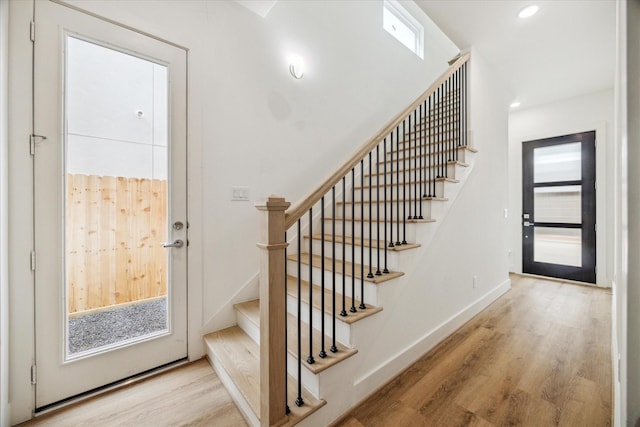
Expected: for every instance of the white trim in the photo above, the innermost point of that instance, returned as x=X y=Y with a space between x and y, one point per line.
x=21 y=322
x=391 y=367
x=4 y=241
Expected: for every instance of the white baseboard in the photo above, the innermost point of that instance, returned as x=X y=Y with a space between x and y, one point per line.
x=385 y=371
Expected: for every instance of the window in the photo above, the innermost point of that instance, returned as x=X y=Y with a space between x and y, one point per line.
x=403 y=26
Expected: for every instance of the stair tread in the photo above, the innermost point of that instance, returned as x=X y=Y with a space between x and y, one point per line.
x=359 y=242
x=239 y=356
x=394 y=221
x=251 y=309
x=292 y=289
x=317 y=262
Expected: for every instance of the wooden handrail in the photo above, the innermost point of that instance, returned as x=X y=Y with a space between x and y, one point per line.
x=294 y=213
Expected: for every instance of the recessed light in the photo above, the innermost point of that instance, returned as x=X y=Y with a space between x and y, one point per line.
x=515 y=104
x=528 y=11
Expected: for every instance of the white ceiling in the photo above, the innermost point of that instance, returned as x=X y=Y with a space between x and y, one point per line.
x=565 y=50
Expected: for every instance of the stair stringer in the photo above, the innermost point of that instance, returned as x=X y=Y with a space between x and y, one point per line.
x=379 y=360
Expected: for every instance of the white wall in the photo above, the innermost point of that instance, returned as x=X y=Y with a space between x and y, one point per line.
x=4 y=174
x=116 y=110
x=585 y=113
x=250 y=124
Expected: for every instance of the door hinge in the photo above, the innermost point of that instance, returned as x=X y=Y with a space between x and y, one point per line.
x=34 y=374
x=33 y=260
x=32 y=143
x=32 y=31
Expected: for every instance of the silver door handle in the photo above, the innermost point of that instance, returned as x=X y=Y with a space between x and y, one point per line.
x=175 y=244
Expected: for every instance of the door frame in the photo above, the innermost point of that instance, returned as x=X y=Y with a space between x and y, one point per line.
x=588 y=210
x=21 y=278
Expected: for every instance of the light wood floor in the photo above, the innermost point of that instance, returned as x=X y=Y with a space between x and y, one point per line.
x=540 y=356
x=191 y=395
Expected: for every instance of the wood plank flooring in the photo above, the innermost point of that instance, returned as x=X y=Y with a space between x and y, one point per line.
x=539 y=356
x=191 y=395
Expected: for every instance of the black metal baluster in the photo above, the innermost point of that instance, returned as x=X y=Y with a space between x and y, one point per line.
x=353 y=242
x=391 y=245
x=322 y=353
x=398 y=176
x=299 y=401
x=459 y=110
x=362 y=306
x=385 y=270
x=404 y=181
x=343 y=312
x=420 y=141
x=450 y=115
x=310 y=359
x=370 y=274
x=439 y=135
x=334 y=348
x=423 y=131
x=416 y=195
x=378 y=272
x=408 y=182
x=423 y=165
x=430 y=142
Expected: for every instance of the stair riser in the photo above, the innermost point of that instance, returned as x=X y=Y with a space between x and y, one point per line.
x=409 y=235
x=453 y=170
x=310 y=381
x=399 y=191
x=343 y=330
x=392 y=256
x=370 y=289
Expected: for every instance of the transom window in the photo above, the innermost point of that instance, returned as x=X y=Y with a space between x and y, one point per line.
x=403 y=26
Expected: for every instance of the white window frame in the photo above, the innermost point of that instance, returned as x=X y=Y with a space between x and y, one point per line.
x=406 y=18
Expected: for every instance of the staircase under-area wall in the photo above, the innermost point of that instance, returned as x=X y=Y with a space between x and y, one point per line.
x=336 y=261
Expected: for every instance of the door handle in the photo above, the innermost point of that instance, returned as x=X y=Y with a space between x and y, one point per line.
x=175 y=244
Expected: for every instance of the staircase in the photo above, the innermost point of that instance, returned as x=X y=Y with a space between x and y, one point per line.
x=329 y=262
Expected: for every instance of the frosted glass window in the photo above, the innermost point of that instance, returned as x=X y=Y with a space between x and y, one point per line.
x=558 y=246
x=558 y=163
x=558 y=204
x=403 y=26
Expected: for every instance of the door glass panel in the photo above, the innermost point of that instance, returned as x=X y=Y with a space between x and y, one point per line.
x=558 y=204
x=561 y=162
x=116 y=116
x=558 y=246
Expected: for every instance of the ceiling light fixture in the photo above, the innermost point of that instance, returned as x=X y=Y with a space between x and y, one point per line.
x=528 y=11
x=515 y=104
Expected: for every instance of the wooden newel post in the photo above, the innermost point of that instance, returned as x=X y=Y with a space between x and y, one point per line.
x=273 y=352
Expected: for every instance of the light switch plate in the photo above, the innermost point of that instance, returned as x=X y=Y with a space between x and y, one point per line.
x=239 y=194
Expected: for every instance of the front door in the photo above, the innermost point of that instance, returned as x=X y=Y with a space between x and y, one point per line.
x=559 y=207
x=110 y=203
